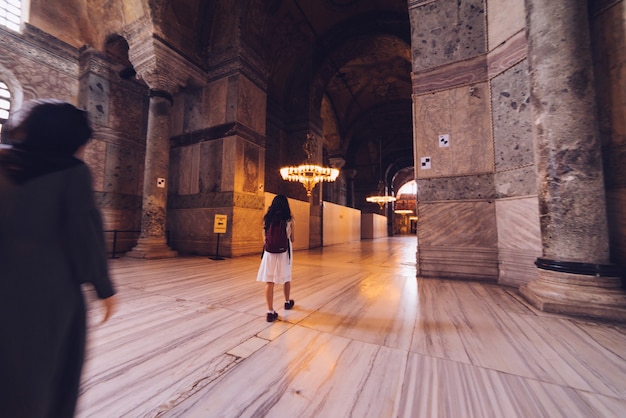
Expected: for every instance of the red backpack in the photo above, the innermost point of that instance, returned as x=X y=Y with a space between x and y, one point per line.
x=276 y=240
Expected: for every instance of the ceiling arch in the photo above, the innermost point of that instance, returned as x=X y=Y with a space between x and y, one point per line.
x=343 y=66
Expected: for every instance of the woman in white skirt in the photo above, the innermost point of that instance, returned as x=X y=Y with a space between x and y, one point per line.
x=278 y=233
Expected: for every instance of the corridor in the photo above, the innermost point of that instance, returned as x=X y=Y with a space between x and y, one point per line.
x=365 y=339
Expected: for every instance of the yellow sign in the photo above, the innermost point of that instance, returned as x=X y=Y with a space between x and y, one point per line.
x=220 y=224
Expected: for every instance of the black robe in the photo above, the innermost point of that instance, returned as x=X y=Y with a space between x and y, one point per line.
x=51 y=241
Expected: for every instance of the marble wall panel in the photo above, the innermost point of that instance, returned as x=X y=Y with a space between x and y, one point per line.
x=457 y=240
x=203 y=200
x=457 y=224
x=516 y=268
x=454 y=188
x=177 y=116
x=231 y=160
x=459 y=263
x=247 y=232
x=174 y=172
x=248 y=201
x=462 y=73
x=188 y=169
x=232 y=98
x=252 y=104
x=518 y=224
x=211 y=166
x=242 y=167
x=505 y=18
x=215 y=101
x=192 y=230
x=121 y=174
x=463 y=114
x=432 y=117
x=507 y=55
x=444 y=31
x=512 y=129
x=194 y=113
x=252 y=172
x=516 y=182
x=519 y=240
x=472 y=70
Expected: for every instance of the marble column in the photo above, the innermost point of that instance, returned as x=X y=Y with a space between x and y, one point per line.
x=574 y=274
x=152 y=241
x=350 y=176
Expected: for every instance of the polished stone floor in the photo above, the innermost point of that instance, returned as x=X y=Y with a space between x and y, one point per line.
x=366 y=338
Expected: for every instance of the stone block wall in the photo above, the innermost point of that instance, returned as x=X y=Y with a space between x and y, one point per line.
x=217 y=166
x=118 y=109
x=452 y=141
x=473 y=142
x=37 y=65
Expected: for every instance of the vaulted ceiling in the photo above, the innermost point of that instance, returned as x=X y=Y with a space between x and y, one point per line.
x=349 y=59
x=360 y=63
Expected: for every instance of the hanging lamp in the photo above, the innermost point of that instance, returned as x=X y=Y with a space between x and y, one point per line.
x=309 y=174
x=381 y=198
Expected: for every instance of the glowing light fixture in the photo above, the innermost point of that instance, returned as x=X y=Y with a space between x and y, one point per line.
x=309 y=174
x=403 y=211
x=382 y=198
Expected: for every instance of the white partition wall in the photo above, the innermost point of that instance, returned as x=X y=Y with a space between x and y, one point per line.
x=373 y=225
x=341 y=224
x=301 y=213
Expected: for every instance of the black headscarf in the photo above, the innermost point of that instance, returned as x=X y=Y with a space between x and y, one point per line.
x=44 y=135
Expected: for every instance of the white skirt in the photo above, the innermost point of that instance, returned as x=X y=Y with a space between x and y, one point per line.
x=275 y=267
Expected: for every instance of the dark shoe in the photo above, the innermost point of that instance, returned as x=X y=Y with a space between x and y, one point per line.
x=271 y=317
x=289 y=304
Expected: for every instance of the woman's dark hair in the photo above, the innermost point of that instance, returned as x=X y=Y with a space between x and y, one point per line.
x=278 y=210
x=47 y=126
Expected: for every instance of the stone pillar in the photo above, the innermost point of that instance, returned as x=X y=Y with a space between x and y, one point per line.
x=164 y=70
x=152 y=241
x=350 y=176
x=574 y=273
x=334 y=189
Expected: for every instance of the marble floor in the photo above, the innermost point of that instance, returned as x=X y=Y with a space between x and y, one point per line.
x=366 y=338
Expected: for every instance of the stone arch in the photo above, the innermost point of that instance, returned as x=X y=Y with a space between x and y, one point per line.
x=116 y=49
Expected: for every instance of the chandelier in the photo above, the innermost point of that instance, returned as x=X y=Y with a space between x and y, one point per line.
x=309 y=174
x=382 y=198
x=403 y=211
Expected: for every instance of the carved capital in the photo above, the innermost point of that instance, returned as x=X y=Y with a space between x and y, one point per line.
x=156 y=63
